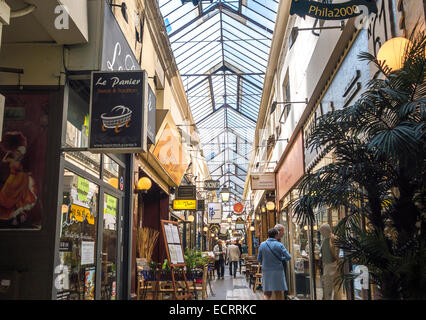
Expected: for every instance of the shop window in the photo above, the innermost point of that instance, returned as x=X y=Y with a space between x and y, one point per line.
x=113 y=173
x=77 y=134
x=77 y=252
x=77 y=130
x=109 y=249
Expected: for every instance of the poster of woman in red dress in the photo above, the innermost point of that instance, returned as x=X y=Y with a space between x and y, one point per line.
x=18 y=195
x=22 y=160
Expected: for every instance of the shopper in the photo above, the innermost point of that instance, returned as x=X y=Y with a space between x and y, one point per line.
x=238 y=244
x=281 y=230
x=233 y=257
x=272 y=253
x=228 y=243
x=219 y=254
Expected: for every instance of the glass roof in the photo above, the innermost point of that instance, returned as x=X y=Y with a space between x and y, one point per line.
x=221 y=48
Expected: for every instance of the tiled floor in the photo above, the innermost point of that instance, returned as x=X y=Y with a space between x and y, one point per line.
x=232 y=289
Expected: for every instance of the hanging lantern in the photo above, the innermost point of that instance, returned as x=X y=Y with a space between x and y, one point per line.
x=392 y=52
x=270 y=205
x=144 y=184
x=224 y=193
x=263 y=209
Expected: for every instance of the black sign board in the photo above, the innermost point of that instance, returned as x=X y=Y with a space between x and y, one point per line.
x=200 y=205
x=186 y=192
x=117 y=113
x=212 y=184
x=332 y=11
x=116 y=53
x=152 y=100
x=65 y=246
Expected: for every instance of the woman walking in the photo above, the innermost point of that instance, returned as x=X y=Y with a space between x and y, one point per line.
x=272 y=254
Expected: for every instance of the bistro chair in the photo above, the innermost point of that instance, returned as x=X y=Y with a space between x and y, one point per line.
x=258 y=278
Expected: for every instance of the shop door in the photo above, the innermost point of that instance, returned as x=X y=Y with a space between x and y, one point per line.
x=78 y=239
x=111 y=247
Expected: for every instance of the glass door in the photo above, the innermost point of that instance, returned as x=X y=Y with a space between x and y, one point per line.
x=110 y=247
x=77 y=250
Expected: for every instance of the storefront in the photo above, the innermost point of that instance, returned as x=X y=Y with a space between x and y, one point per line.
x=288 y=174
x=93 y=230
x=344 y=89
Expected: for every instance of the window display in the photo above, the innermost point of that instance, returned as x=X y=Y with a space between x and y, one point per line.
x=109 y=248
x=77 y=251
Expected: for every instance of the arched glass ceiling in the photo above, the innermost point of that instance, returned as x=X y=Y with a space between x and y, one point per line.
x=221 y=48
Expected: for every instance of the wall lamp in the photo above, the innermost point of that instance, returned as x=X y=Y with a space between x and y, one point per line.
x=123 y=7
x=143 y=185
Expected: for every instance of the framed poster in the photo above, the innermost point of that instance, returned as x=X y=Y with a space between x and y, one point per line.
x=23 y=158
x=118 y=115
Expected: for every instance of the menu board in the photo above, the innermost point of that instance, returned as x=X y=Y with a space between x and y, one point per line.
x=173 y=242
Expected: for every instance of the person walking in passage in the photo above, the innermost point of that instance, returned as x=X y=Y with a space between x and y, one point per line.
x=271 y=254
x=233 y=256
x=219 y=255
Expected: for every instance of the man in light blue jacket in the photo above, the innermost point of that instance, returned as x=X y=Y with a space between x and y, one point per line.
x=272 y=254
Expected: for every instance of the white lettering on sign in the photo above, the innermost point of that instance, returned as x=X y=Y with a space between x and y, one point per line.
x=116 y=80
x=129 y=63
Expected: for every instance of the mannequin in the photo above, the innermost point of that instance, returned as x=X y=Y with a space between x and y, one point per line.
x=329 y=260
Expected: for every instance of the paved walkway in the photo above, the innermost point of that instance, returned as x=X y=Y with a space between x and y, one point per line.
x=232 y=289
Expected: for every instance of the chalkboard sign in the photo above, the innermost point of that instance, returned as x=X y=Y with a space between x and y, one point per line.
x=118 y=115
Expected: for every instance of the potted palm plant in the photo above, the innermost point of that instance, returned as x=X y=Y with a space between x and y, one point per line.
x=378 y=176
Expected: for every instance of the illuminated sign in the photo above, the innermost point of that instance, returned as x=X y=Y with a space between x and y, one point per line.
x=184 y=204
x=335 y=11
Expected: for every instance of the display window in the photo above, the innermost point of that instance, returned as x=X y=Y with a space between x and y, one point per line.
x=89 y=261
x=109 y=248
x=78 y=234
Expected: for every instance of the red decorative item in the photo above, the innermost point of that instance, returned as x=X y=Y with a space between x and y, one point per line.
x=238 y=207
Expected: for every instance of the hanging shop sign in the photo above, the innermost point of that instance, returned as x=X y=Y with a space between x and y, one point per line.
x=332 y=11
x=214 y=212
x=200 y=205
x=118 y=115
x=264 y=181
x=186 y=192
x=239 y=224
x=212 y=185
x=185 y=204
x=169 y=152
x=151 y=106
x=238 y=207
x=108 y=48
x=214 y=228
x=292 y=168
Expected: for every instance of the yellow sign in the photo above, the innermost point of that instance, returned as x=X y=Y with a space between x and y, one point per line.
x=184 y=204
x=78 y=213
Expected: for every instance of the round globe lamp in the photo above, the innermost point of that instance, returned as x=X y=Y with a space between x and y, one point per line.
x=144 y=184
x=205 y=229
x=251 y=228
x=190 y=218
x=392 y=52
x=270 y=205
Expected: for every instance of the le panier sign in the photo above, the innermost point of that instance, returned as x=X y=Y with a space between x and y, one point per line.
x=333 y=11
x=118 y=116
x=184 y=204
